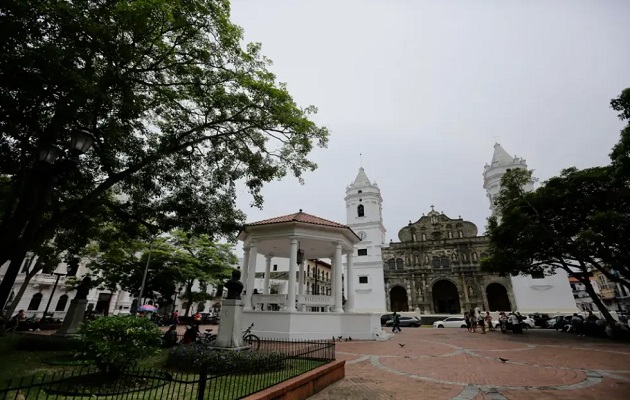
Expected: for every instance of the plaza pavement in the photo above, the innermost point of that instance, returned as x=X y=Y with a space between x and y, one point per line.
x=456 y=364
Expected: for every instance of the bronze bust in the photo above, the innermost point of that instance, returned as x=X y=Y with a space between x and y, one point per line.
x=234 y=286
x=84 y=288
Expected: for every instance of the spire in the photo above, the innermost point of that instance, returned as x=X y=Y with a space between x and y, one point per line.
x=501 y=156
x=361 y=178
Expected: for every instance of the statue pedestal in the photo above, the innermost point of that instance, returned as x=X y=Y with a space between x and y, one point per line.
x=230 y=336
x=73 y=318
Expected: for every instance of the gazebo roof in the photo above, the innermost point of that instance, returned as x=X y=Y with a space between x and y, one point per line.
x=315 y=235
x=299 y=217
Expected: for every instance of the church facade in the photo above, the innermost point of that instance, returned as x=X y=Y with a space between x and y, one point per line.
x=434 y=268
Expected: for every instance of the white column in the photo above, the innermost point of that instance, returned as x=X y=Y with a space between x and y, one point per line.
x=350 y=283
x=337 y=272
x=332 y=279
x=251 y=276
x=113 y=302
x=267 y=273
x=245 y=266
x=292 y=268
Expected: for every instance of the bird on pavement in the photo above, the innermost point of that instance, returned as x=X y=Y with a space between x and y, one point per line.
x=503 y=359
x=401 y=345
x=340 y=337
x=349 y=338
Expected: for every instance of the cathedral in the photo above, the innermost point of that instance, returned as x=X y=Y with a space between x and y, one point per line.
x=434 y=267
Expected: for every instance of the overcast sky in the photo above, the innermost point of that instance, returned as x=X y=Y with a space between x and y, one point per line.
x=423 y=89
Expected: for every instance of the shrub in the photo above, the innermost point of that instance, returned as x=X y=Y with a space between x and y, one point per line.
x=196 y=357
x=118 y=342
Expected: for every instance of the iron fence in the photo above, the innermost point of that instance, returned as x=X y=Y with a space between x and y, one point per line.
x=299 y=356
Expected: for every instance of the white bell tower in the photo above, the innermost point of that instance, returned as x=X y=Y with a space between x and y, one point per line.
x=364 y=210
x=501 y=163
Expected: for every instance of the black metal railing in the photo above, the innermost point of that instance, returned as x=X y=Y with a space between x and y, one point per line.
x=300 y=356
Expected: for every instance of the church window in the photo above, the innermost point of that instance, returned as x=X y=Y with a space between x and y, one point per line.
x=399 y=263
x=360 y=210
x=275 y=267
x=35 y=301
x=363 y=279
x=435 y=262
x=391 y=263
x=362 y=252
x=61 y=303
x=445 y=262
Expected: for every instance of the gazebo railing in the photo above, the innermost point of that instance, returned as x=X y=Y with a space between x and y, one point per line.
x=315 y=300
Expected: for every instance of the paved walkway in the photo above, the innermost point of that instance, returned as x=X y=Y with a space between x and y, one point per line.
x=455 y=364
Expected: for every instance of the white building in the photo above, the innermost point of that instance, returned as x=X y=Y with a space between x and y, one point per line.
x=364 y=213
x=545 y=294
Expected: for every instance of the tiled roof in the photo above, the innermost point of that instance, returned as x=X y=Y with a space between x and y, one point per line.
x=299 y=217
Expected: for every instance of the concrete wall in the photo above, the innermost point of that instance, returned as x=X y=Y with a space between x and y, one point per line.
x=550 y=295
x=307 y=325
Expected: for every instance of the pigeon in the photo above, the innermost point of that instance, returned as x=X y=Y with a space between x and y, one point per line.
x=333 y=338
x=401 y=345
x=340 y=337
x=503 y=359
x=349 y=338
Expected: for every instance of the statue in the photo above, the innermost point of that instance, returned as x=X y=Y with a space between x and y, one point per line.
x=234 y=286
x=426 y=259
x=470 y=291
x=84 y=288
x=416 y=258
x=465 y=257
x=407 y=259
x=454 y=256
x=474 y=256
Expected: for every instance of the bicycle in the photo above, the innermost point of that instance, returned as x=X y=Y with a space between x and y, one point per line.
x=249 y=338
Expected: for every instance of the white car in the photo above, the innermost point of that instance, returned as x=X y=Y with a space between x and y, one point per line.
x=450 y=322
x=526 y=320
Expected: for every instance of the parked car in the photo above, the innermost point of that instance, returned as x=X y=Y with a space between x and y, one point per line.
x=526 y=323
x=385 y=318
x=406 y=322
x=541 y=319
x=450 y=322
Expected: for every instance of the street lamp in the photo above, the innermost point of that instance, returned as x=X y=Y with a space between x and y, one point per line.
x=59 y=272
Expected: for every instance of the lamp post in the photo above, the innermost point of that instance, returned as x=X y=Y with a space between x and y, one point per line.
x=59 y=275
x=49 y=164
x=146 y=270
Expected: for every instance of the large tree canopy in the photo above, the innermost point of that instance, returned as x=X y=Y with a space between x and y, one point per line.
x=180 y=110
x=577 y=221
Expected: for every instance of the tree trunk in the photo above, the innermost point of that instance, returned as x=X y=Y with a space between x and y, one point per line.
x=598 y=302
x=27 y=279
x=189 y=295
x=6 y=287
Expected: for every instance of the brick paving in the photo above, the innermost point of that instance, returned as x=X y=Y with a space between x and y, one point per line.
x=456 y=364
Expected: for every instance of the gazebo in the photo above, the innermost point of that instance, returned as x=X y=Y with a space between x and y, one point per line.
x=297 y=236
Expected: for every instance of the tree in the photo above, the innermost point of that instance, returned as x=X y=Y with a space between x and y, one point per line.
x=539 y=232
x=578 y=221
x=178 y=258
x=179 y=109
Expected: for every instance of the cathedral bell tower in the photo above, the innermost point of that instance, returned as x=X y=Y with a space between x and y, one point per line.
x=364 y=211
x=501 y=163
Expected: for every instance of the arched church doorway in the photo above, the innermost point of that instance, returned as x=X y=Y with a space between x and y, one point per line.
x=498 y=299
x=445 y=298
x=398 y=299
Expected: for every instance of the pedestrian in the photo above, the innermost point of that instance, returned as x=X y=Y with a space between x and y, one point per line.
x=396 y=323
x=468 y=323
x=473 y=321
x=488 y=319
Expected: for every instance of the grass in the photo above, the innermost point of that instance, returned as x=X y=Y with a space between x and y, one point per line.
x=20 y=363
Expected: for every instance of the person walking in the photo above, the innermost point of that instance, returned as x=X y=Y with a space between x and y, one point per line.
x=396 y=323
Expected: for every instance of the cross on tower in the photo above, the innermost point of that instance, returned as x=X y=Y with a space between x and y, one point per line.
x=432 y=207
